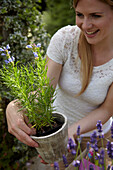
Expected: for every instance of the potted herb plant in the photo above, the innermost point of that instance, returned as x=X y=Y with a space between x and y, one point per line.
x=31 y=86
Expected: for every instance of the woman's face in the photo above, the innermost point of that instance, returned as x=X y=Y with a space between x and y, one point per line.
x=95 y=19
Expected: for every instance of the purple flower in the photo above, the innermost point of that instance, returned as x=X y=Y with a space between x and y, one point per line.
x=38 y=45
x=35 y=54
x=101 y=157
x=79 y=139
x=102 y=135
x=6 y=61
x=56 y=166
x=78 y=130
x=65 y=161
x=76 y=163
x=3 y=54
x=1 y=49
x=88 y=145
x=73 y=152
x=95 y=147
x=99 y=126
x=97 y=156
x=11 y=59
x=7 y=47
x=93 y=137
x=110 y=149
x=29 y=46
x=71 y=144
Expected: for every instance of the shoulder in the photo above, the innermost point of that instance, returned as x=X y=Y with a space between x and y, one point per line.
x=68 y=31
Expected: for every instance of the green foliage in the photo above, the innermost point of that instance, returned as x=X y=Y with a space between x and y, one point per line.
x=31 y=86
x=59 y=13
x=20 y=23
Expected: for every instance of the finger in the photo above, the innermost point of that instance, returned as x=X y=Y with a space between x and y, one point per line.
x=32 y=130
x=42 y=161
x=22 y=132
x=24 y=138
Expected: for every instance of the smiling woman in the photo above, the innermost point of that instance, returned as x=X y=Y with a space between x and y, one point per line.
x=80 y=67
x=93 y=18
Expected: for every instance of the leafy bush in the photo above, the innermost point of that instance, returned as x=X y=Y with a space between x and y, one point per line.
x=59 y=13
x=20 y=24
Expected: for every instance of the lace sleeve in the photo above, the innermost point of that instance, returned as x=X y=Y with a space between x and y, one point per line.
x=61 y=43
x=56 y=46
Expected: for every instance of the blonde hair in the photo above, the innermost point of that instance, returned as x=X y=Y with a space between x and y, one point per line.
x=85 y=54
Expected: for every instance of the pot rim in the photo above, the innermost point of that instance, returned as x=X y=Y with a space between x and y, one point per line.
x=47 y=136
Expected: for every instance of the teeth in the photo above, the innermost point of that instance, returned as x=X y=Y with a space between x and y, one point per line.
x=89 y=33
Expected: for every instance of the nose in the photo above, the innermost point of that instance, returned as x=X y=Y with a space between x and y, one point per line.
x=87 y=23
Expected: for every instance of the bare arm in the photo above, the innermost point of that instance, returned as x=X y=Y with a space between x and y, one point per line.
x=103 y=113
x=54 y=71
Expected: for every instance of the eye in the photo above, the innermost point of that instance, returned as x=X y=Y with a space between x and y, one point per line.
x=96 y=16
x=79 y=14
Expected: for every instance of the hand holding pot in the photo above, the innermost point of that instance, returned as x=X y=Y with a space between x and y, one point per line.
x=18 y=124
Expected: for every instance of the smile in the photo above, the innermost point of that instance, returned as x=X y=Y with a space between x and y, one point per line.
x=91 y=32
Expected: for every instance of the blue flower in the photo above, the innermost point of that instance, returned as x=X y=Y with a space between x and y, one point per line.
x=95 y=147
x=65 y=161
x=78 y=130
x=73 y=152
x=11 y=59
x=1 y=49
x=35 y=54
x=101 y=157
x=76 y=163
x=56 y=166
x=88 y=145
x=6 y=61
x=7 y=47
x=3 y=54
x=28 y=46
x=110 y=149
x=99 y=126
x=93 y=137
x=38 y=45
x=71 y=144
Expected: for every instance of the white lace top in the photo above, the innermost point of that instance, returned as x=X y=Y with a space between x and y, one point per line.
x=63 y=49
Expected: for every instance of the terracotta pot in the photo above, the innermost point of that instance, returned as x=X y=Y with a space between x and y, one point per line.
x=53 y=146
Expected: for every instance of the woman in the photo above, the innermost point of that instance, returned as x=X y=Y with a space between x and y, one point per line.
x=80 y=65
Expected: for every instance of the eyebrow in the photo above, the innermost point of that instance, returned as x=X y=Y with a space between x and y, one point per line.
x=91 y=13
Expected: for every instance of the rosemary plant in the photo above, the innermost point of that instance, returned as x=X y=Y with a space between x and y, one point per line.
x=30 y=85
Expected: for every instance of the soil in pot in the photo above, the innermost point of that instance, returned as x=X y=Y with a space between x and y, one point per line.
x=47 y=130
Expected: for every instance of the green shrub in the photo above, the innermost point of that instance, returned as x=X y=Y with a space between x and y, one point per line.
x=59 y=13
x=20 y=24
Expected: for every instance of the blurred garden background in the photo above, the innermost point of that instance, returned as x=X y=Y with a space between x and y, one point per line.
x=22 y=22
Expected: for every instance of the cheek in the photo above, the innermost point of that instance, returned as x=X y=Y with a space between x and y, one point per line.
x=78 y=22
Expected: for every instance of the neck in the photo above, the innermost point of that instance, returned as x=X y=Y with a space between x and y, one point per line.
x=102 y=53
